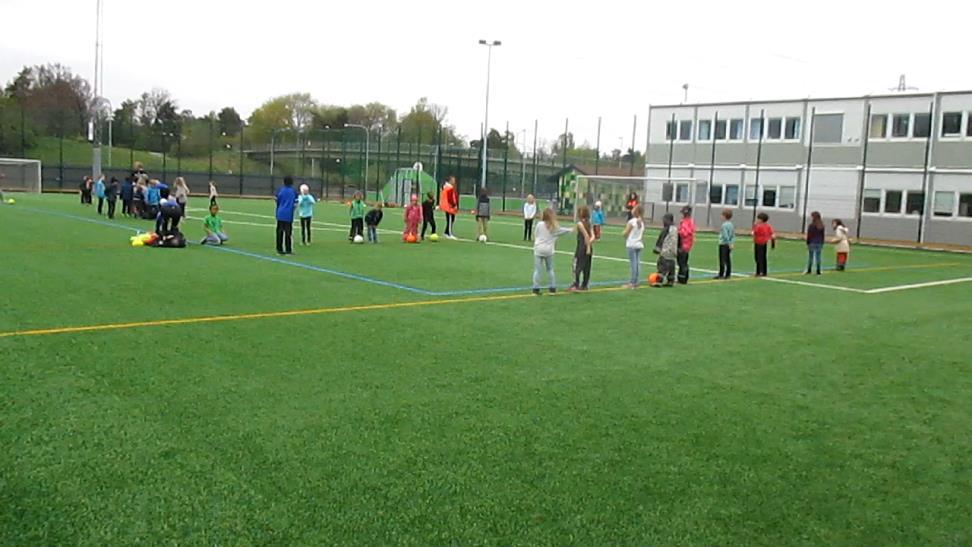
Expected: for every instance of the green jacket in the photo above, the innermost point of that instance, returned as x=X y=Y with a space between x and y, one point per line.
x=357 y=209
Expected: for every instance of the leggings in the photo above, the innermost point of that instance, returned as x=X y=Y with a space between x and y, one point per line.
x=285 y=234
x=725 y=262
x=582 y=268
x=101 y=203
x=634 y=258
x=357 y=228
x=428 y=222
x=683 y=266
x=450 y=222
x=305 y=230
x=541 y=263
x=528 y=229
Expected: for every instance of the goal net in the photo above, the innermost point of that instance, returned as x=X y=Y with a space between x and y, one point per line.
x=614 y=193
x=20 y=175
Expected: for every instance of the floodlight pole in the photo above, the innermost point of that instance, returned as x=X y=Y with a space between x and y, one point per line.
x=489 y=59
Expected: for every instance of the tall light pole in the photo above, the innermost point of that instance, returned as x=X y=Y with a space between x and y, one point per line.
x=489 y=59
x=367 y=147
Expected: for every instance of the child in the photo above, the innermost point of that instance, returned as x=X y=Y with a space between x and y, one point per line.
x=86 y=190
x=413 y=215
x=357 y=216
x=111 y=194
x=727 y=241
x=815 y=241
x=584 y=252
x=763 y=235
x=631 y=204
x=842 y=239
x=372 y=220
x=667 y=249
x=633 y=232
x=482 y=213
x=529 y=214
x=305 y=210
x=99 y=191
x=214 y=227
x=428 y=213
x=127 y=195
x=686 y=239
x=182 y=195
x=213 y=194
x=543 y=250
x=138 y=199
x=449 y=203
x=597 y=219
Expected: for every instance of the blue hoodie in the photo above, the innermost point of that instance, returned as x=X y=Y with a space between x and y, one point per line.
x=286 y=198
x=597 y=217
x=99 y=188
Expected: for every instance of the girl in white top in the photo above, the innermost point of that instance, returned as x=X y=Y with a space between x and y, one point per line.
x=634 y=230
x=543 y=250
x=213 y=194
x=842 y=239
x=182 y=194
x=529 y=213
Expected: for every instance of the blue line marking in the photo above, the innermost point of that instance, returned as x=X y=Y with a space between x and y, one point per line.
x=313 y=268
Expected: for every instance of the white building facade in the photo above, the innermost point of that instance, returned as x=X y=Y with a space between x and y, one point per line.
x=893 y=167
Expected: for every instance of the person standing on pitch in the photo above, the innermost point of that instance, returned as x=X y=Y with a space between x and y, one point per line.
x=428 y=213
x=815 y=242
x=99 y=191
x=529 y=214
x=111 y=194
x=763 y=235
x=286 y=198
x=686 y=239
x=449 y=203
x=727 y=242
x=127 y=195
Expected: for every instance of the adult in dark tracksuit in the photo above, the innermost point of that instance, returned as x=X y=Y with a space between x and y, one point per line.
x=286 y=198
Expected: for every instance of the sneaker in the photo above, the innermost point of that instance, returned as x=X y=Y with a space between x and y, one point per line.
x=552 y=290
x=203 y=241
x=627 y=286
x=536 y=292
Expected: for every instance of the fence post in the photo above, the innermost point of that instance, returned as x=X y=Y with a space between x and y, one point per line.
x=242 y=128
x=378 y=168
x=325 y=164
x=344 y=159
x=506 y=158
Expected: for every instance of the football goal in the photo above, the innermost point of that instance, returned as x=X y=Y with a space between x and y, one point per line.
x=614 y=192
x=20 y=175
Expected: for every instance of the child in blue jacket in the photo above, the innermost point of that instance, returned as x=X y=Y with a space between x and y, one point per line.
x=597 y=219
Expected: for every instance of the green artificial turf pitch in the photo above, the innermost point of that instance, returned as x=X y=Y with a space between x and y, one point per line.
x=741 y=412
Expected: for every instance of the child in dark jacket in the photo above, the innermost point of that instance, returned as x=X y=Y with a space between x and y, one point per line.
x=111 y=194
x=372 y=220
x=667 y=250
x=428 y=213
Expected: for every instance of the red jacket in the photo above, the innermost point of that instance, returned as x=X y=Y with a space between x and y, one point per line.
x=686 y=233
x=762 y=233
x=449 y=199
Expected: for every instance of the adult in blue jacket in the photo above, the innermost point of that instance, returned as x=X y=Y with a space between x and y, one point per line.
x=286 y=198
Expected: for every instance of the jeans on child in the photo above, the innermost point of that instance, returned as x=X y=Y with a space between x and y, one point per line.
x=814 y=251
x=216 y=238
x=541 y=263
x=372 y=234
x=634 y=257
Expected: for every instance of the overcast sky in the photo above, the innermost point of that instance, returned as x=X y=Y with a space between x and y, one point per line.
x=558 y=59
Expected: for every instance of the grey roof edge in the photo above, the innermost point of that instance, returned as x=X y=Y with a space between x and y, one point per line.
x=814 y=99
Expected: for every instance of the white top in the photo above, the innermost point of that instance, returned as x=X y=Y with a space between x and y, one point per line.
x=843 y=243
x=212 y=191
x=544 y=240
x=635 y=235
x=529 y=210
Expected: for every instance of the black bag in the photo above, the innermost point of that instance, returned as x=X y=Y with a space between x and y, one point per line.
x=174 y=240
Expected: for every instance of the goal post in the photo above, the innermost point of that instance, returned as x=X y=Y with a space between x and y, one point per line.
x=614 y=193
x=20 y=175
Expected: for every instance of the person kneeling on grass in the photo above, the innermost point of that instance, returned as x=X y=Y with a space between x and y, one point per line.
x=667 y=249
x=213 y=225
x=544 y=244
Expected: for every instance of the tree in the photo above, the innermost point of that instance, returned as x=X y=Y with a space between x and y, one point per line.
x=57 y=101
x=558 y=147
x=295 y=112
x=229 y=121
x=423 y=123
x=124 y=123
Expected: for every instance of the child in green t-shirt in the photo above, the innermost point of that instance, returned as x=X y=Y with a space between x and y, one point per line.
x=213 y=225
x=357 y=216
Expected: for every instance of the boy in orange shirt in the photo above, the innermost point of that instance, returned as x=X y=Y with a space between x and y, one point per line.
x=763 y=235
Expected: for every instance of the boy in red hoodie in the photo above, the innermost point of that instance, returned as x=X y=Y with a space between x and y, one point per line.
x=763 y=235
x=686 y=238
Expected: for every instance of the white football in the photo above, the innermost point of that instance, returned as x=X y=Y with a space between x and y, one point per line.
x=358 y=239
x=482 y=238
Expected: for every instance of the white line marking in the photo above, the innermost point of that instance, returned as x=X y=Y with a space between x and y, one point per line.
x=919 y=285
x=817 y=285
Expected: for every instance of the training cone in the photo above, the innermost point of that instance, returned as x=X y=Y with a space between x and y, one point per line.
x=137 y=243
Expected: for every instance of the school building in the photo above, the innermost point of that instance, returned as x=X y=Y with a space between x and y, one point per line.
x=892 y=167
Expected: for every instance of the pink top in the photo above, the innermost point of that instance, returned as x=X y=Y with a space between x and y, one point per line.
x=413 y=213
x=686 y=230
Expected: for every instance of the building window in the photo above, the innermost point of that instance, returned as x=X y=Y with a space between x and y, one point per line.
x=715 y=194
x=700 y=189
x=915 y=204
x=792 y=129
x=769 y=196
x=775 y=131
x=682 y=192
x=749 y=198
x=720 y=130
x=944 y=204
x=922 y=126
x=892 y=201
x=705 y=130
x=736 y=129
x=670 y=131
x=732 y=194
x=755 y=129
x=968 y=125
x=965 y=205
x=787 y=197
x=685 y=130
x=879 y=126
x=900 y=124
x=872 y=200
x=951 y=124
x=828 y=128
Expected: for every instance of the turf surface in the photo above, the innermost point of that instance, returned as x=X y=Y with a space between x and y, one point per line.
x=741 y=412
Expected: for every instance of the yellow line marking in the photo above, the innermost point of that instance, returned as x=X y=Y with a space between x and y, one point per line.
x=295 y=313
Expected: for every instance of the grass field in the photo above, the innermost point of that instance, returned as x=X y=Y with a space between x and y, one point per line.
x=418 y=394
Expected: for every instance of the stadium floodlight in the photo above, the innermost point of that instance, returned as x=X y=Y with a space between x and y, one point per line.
x=485 y=135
